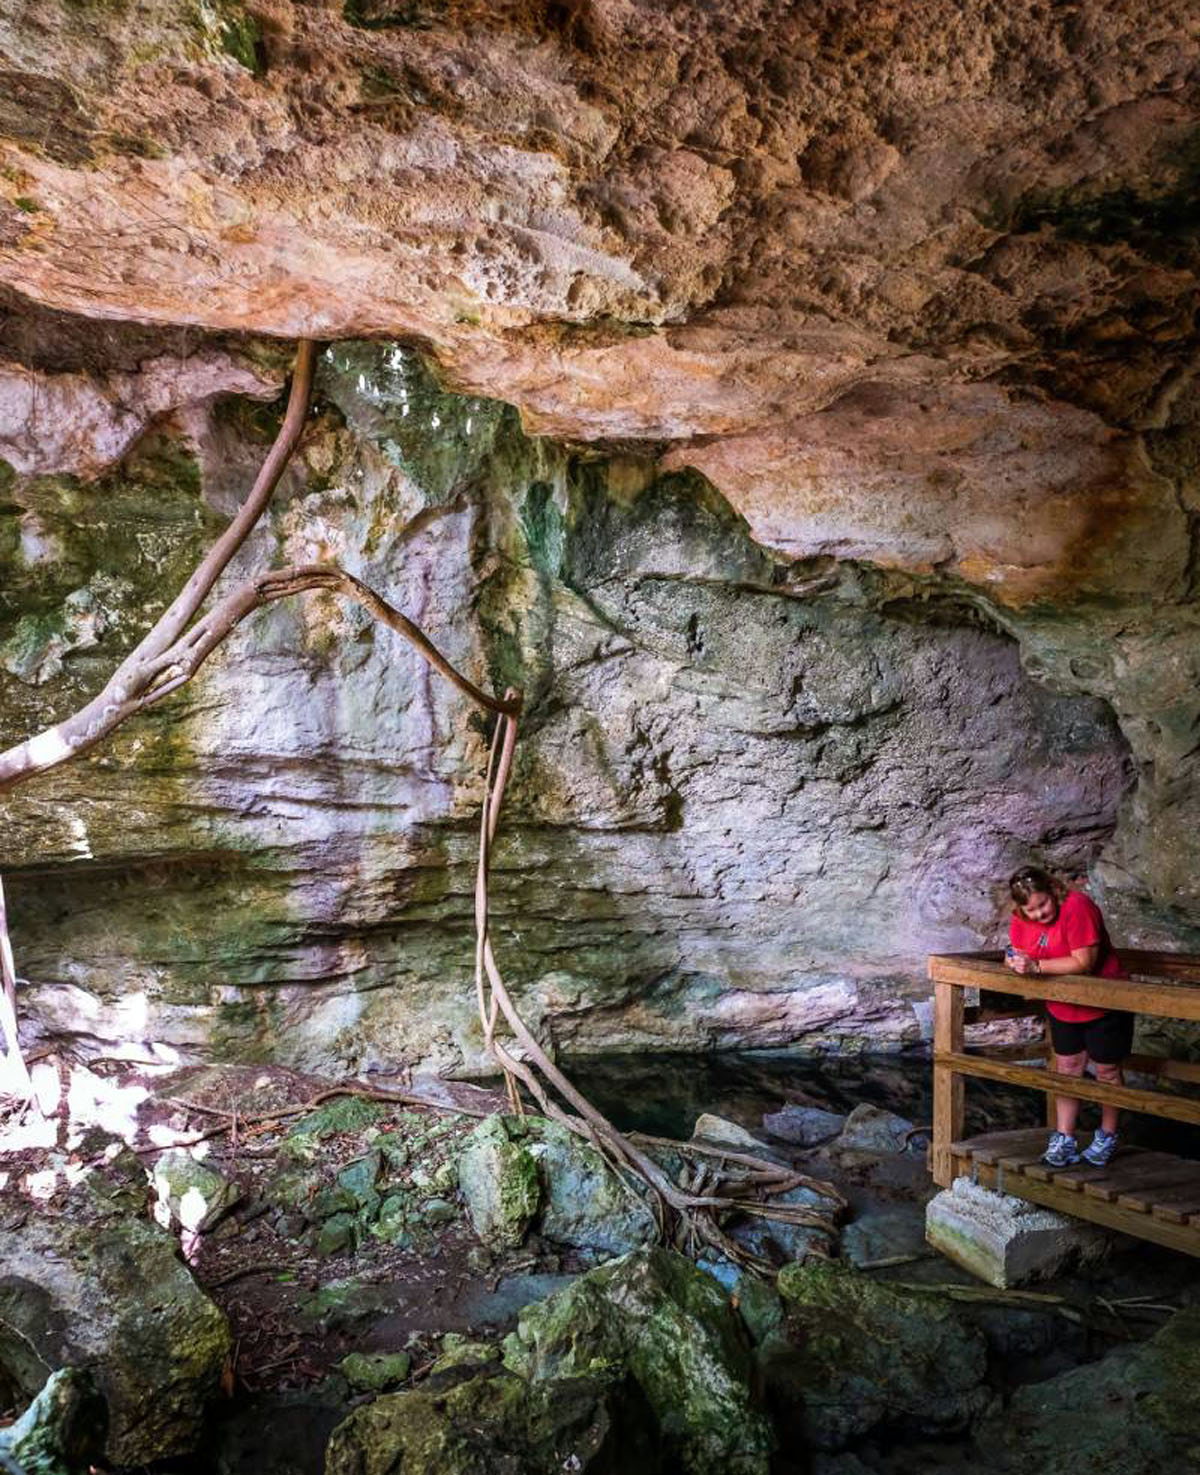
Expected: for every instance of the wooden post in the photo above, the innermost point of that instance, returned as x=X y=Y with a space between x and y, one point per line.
x=948 y=1097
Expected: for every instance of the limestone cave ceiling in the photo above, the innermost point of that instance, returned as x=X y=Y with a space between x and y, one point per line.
x=910 y=283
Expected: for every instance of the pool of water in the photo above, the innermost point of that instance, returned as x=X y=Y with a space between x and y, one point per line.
x=664 y=1094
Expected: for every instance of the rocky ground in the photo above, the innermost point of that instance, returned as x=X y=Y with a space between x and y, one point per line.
x=325 y=1286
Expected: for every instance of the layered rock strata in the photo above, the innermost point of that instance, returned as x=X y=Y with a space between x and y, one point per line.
x=750 y=796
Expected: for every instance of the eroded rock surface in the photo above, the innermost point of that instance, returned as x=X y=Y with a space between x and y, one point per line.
x=751 y=794
x=92 y=1286
x=902 y=281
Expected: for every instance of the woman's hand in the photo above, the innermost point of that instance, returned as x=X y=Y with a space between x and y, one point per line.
x=1019 y=962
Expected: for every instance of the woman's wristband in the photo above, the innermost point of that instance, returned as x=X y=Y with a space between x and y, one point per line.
x=1037 y=966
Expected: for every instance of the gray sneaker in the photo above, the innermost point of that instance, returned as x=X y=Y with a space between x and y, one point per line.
x=1101 y=1148
x=1062 y=1152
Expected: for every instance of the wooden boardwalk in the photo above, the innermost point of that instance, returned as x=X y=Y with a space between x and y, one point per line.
x=1153 y=1195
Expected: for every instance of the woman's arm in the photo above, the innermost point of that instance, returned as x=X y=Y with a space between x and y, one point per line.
x=1080 y=960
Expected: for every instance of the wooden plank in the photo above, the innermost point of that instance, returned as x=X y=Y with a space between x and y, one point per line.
x=1160 y=965
x=949 y=1101
x=1131 y=1173
x=1183 y=1237
x=1169 y=1000
x=985 y=1014
x=1177 y=1205
x=1017 y=1159
x=1025 y=1050
x=1152 y=1103
x=1143 y=1193
x=991 y=1146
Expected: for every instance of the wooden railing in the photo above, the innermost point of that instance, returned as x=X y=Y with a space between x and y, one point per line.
x=1167 y=986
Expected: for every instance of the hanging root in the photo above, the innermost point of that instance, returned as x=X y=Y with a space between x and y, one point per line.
x=171 y=653
x=687 y=1214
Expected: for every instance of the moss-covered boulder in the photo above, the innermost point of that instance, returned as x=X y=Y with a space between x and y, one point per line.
x=190 y=1195
x=653 y=1315
x=1135 y=1411
x=89 y=1285
x=584 y=1204
x=498 y=1178
x=61 y=1432
x=495 y=1423
x=855 y=1354
x=517 y=1172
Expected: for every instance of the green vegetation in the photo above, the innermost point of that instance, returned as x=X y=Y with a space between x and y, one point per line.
x=382 y=15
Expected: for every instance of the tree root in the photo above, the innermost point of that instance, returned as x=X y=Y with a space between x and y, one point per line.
x=171 y=654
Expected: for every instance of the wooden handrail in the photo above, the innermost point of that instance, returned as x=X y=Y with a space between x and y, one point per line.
x=1168 y=1000
x=1164 y=995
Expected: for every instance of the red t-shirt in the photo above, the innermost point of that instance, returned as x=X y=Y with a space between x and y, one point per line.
x=1078 y=924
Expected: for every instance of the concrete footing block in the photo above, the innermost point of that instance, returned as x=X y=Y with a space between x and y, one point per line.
x=1007 y=1241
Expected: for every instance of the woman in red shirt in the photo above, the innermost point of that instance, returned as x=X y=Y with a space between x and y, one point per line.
x=1054 y=930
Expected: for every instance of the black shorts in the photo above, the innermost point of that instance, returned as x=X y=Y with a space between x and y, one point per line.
x=1107 y=1040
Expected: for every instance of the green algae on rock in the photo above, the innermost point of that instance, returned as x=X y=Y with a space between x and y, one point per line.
x=854 y=1355
x=498 y=1178
x=494 y=1423
x=61 y=1431
x=1134 y=1409
x=94 y=1285
x=654 y=1316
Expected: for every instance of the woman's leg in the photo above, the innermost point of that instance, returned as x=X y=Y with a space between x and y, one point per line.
x=1108 y=1114
x=1066 y=1108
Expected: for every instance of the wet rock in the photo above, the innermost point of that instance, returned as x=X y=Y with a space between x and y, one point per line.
x=775 y=1241
x=884 y=1232
x=1134 y=1410
x=393 y=1221
x=437 y=1211
x=803 y=1126
x=670 y=1325
x=584 y=1204
x=360 y=1177
x=496 y=1423
x=871 y=1129
x=498 y=1178
x=760 y=1305
x=339 y=1232
x=93 y=1286
x=710 y=1128
x=459 y=1351
x=341 y=1114
x=62 y=1430
x=373 y=1371
x=1008 y=1241
x=857 y=1355
x=190 y=1195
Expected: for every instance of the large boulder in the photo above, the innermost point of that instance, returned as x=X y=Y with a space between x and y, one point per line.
x=495 y=1423
x=856 y=1355
x=90 y=1285
x=584 y=1204
x=671 y=1327
x=1134 y=1410
x=190 y=1195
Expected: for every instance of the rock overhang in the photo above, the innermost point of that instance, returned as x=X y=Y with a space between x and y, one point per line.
x=885 y=275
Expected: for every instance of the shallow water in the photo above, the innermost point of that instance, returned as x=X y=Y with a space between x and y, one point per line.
x=664 y=1094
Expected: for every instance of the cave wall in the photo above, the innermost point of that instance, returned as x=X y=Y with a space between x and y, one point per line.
x=752 y=793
